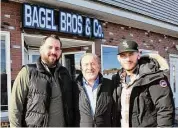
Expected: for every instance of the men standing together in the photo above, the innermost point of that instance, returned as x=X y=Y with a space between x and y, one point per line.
x=44 y=94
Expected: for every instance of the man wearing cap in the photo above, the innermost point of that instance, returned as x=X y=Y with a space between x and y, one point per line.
x=143 y=94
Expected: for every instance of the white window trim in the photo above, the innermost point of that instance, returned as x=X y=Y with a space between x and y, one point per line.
x=8 y=63
x=173 y=55
x=102 y=45
x=22 y=41
x=25 y=51
x=93 y=47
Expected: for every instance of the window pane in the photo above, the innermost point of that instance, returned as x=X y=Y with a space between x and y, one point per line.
x=3 y=57
x=77 y=63
x=3 y=76
x=109 y=61
x=35 y=58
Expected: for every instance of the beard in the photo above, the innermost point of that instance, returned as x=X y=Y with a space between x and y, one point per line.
x=50 y=62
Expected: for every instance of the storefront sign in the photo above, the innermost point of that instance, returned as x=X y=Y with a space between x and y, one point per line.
x=45 y=19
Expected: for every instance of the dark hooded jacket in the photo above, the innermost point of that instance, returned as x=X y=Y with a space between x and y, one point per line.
x=103 y=112
x=151 y=100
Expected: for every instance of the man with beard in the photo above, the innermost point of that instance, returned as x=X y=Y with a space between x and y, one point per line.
x=143 y=92
x=42 y=92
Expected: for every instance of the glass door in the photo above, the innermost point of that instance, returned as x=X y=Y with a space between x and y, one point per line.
x=71 y=61
x=33 y=56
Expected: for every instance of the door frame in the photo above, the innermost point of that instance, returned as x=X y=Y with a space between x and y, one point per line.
x=67 y=53
x=172 y=87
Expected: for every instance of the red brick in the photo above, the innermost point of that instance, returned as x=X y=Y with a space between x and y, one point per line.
x=14 y=10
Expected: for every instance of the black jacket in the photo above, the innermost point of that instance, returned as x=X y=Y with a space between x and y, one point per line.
x=151 y=100
x=104 y=103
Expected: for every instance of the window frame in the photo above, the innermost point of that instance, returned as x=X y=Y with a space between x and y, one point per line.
x=6 y=34
x=102 y=59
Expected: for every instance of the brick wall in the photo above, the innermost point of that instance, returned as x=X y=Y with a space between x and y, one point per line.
x=11 y=16
x=113 y=33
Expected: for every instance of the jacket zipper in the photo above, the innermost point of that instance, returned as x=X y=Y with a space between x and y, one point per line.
x=92 y=116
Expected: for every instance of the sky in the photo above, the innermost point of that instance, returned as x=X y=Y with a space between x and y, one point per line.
x=109 y=55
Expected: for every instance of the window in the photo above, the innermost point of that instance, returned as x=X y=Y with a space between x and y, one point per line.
x=3 y=76
x=109 y=62
x=5 y=72
x=33 y=56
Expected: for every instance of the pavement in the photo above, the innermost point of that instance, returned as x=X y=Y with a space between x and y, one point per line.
x=5 y=123
x=176 y=117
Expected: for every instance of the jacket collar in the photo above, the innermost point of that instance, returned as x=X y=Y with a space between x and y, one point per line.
x=79 y=79
x=43 y=68
x=148 y=70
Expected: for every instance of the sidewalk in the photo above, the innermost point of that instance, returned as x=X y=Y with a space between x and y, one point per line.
x=176 y=117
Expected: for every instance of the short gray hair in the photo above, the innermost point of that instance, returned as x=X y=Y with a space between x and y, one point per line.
x=90 y=54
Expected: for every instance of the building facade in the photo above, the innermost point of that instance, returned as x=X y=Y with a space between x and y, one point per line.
x=85 y=26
